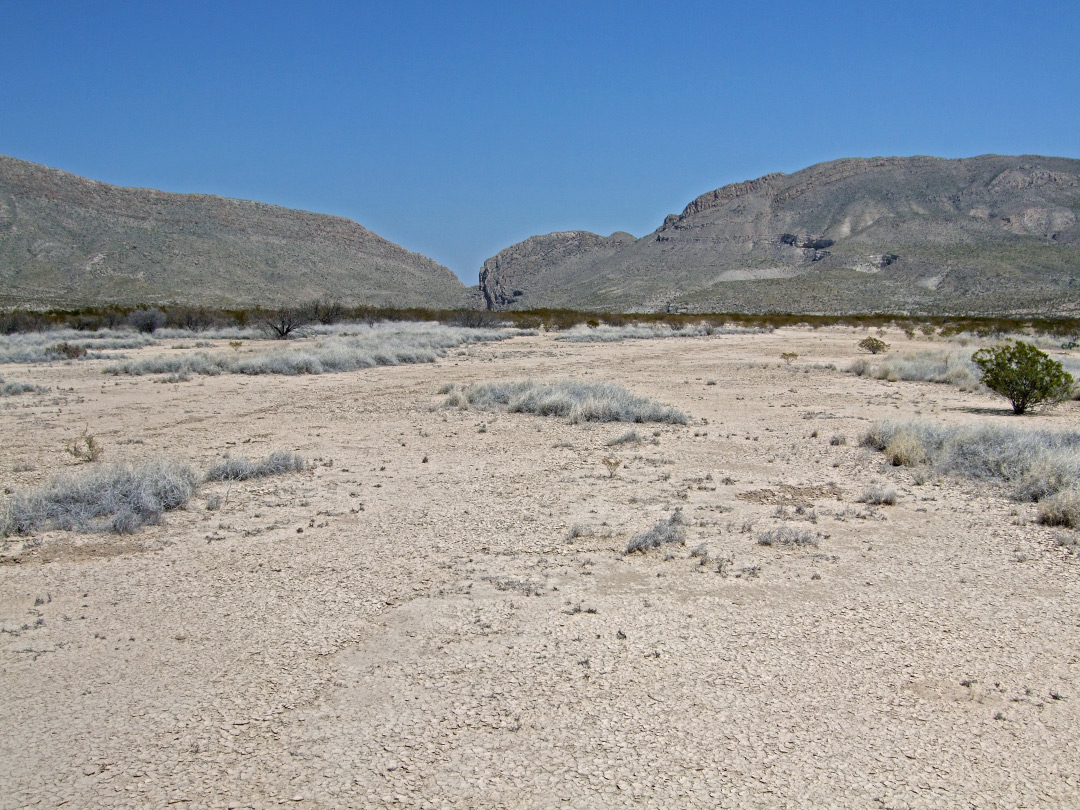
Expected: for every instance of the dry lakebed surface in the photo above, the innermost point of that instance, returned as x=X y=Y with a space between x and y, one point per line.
x=439 y=610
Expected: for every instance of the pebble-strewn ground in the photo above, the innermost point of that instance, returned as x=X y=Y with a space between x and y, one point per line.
x=439 y=613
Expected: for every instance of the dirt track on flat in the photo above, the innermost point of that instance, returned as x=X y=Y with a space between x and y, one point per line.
x=439 y=613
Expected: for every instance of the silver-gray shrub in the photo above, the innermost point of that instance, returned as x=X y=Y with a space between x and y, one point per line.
x=665 y=531
x=877 y=496
x=954 y=368
x=786 y=536
x=34 y=347
x=240 y=469
x=576 y=401
x=109 y=498
x=1036 y=463
x=364 y=347
x=630 y=437
x=10 y=389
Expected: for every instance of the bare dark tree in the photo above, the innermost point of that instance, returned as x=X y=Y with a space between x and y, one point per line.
x=282 y=322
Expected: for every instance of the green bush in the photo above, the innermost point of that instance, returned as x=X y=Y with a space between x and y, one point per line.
x=873 y=345
x=1024 y=375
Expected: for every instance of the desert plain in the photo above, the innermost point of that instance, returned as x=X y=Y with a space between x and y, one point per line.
x=440 y=611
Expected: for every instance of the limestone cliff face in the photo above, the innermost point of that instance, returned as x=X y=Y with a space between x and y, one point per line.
x=983 y=235
x=520 y=271
x=67 y=241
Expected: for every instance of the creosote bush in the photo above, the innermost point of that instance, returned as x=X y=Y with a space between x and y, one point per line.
x=1024 y=375
x=147 y=320
x=873 y=345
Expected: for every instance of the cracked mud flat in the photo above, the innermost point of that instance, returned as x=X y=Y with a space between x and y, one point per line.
x=385 y=631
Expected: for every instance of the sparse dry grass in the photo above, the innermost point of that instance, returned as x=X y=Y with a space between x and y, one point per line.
x=240 y=469
x=1037 y=463
x=664 y=532
x=1061 y=509
x=577 y=401
x=951 y=367
x=786 y=536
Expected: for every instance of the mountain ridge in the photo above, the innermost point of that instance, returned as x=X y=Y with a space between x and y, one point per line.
x=69 y=240
x=990 y=234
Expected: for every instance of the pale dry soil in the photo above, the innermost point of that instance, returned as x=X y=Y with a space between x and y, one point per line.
x=439 y=613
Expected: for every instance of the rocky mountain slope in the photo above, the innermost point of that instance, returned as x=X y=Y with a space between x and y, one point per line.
x=66 y=240
x=990 y=234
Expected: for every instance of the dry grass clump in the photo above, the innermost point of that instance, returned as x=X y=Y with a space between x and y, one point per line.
x=786 y=536
x=1037 y=463
x=1061 y=509
x=119 y=498
x=877 y=496
x=953 y=368
x=905 y=450
x=666 y=531
x=630 y=437
x=240 y=469
x=577 y=401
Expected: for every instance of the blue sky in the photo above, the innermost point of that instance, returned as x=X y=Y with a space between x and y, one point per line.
x=457 y=129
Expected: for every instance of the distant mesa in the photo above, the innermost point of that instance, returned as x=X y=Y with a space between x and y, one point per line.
x=984 y=235
x=67 y=241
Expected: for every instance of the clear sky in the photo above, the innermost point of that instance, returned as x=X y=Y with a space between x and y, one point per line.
x=457 y=129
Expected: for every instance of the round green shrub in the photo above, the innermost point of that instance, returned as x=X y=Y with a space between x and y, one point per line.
x=1023 y=374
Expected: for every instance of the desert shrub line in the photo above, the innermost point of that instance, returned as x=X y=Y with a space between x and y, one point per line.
x=604 y=333
x=366 y=347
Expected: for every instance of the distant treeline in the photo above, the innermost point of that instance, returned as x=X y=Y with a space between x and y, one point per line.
x=151 y=318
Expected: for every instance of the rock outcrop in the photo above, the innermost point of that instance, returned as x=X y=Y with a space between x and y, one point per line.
x=990 y=234
x=519 y=272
